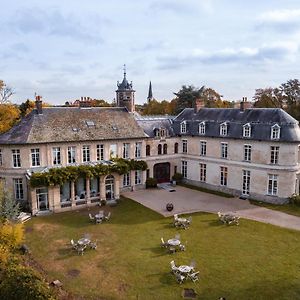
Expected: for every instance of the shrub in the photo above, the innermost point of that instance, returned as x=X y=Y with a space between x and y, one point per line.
x=151 y=183
x=177 y=177
x=295 y=199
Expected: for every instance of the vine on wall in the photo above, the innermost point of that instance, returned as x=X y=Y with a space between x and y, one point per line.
x=58 y=176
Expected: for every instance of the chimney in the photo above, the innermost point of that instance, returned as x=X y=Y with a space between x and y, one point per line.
x=39 y=104
x=199 y=103
x=245 y=104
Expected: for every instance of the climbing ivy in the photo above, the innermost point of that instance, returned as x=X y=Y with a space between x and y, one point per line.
x=58 y=176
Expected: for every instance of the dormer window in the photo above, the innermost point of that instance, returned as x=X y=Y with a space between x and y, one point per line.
x=162 y=132
x=183 y=127
x=247 y=130
x=275 y=132
x=157 y=132
x=223 y=129
x=202 y=128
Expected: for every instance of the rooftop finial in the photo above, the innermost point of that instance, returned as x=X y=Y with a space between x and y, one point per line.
x=124 y=69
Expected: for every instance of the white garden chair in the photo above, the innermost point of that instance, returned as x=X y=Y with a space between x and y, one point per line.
x=174 y=268
x=194 y=276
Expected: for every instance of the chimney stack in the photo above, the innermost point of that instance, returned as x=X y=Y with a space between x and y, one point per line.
x=245 y=104
x=39 y=104
x=199 y=103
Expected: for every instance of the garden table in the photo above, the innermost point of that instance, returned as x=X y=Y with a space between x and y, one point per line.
x=184 y=269
x=83 y=241
x=173 y=242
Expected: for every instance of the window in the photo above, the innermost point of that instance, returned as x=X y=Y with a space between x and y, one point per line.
x=100 y=152
x=159 y=149
x=247 y=130
x=203 y=172
x=148 y=150
x=112 y=151
x=56 y=156
x=157 y=132
x=183 y=127
x=203 y=148
x=275 y=132
x=1 y=160
x=35 y=157
x=126 y=179
x=71 y=154
x=274 y=154
x=247 y=152
x=90 y=123
x=184 y=146
x=165 y=149
x=162 y=132
x=86 y=153
x=223 y=129
x=126 y=147
x=202 y=128
x=246 y=182
x=272 y=184
x=138 y=177
x=223 y=176
x=184 y=168
x=224 y=150
x=138 y=150
x=16 y=157
x=176 y=148
x=18 y=188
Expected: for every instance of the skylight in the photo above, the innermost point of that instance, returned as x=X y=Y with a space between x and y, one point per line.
x=90 y=123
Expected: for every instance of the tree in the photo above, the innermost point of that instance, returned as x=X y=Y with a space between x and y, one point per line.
x=268 y=97
x=290 y=91
x=9 y=115
x=26 y=107
x=187 y=96
x=9 y=208
x=5 y=92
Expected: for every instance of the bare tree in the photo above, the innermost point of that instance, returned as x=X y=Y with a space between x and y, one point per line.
x=5 y=92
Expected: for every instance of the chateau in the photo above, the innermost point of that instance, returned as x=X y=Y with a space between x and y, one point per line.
x=249 y=152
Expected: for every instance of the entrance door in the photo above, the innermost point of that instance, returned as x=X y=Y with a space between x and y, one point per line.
x=109 y=187
x=42 y=199
x=162 y=172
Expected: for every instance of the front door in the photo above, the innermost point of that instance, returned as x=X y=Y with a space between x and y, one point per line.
x=42 y=199
x=162 y=172
x=109 y=187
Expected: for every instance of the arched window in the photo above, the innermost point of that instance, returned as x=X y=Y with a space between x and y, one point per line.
x=165 y=149
x=176 y=148
x=275 y=132
x=148 y=150
x=202 y=128
x=183 y=127
x=159 y=149
x=223 y=129
x=247 y=130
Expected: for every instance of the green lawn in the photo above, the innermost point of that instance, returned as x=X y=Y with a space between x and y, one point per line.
x=250 y=261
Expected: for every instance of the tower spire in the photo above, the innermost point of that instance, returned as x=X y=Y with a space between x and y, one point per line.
x=124 y=69
x=150 y=95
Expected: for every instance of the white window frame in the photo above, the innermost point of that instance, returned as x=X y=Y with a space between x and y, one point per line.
x=201 y=128
x=138 y=177
x=274 y=158
x=184 y=168
x=275 y=132
x=247 y=152
x=56 y=156
x=272 y=188
x=247 y=130
x=71 y=154
x=203 y=145
x=223 y=129
x=35 y=157
x=184 y=146
x=126 y=179
x=224 y=150
x=113 y=150
x=86 y=153
x=18 y=188
x=100 y=152
x=223 y=176
x=203 y=172
x=126 y=150
x=138 y=150
x=183 y=127
x=16 y=158
x=246 y=182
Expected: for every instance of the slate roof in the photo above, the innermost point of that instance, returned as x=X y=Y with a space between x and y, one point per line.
x=62 y=124
x=260 y=119
x=150 y=123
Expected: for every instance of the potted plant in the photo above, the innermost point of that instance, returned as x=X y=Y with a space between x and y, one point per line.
x=177 y=177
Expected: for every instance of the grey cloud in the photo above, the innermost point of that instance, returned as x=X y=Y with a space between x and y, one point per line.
x=53 y=23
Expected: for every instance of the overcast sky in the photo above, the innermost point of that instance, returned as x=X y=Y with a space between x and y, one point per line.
x=66 y=49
